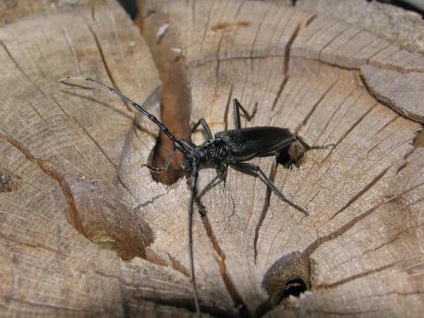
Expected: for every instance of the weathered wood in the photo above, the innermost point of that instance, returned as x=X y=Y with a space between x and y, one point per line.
x=72 y=169
x=65 y=145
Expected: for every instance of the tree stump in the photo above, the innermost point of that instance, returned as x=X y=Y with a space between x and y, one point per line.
x=85 y=230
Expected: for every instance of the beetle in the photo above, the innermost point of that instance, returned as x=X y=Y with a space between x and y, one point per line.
x=227 y=148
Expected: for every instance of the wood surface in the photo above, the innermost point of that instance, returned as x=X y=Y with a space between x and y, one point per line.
x=85 y=230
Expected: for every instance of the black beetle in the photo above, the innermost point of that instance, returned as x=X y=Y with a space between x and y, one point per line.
x=228 y=148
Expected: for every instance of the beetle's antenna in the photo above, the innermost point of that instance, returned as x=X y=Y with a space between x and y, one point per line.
x=307 y=147
x=195 y=174
x=322 y=147
x=152 y=118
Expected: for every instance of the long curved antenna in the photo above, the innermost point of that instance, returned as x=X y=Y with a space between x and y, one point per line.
x=152 y=118
x=195 y=174
x=307 y=147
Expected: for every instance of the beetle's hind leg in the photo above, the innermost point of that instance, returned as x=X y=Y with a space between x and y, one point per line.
x=237 y=106
x=254 y=170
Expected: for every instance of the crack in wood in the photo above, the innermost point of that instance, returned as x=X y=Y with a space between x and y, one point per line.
x=151 y=200
x=287 y=50
x=15 y=62
x=395 y=238
x=343 y=229
x=364 y=190
x=218 y=60
x=106 y=65
x=154 y=258
x=102 y=56
x=353 y=313
x=380 y=129
x=201 y=63
x=183 y=303
x=48 y=170
x=273 y=171
x=402 y=166
x=314 y=107
x=240 y=7
x=376 y=53
x=81 y=127
x=258 y=29
x=332 y=65
x=229 y=284
x=39 y=305
x=355 y=277
x=351 y=128
x=206 y=28
x=279 y=92
x=333 y=38
x=331 y=118
x=71 y=47
x=176 y=265
x=32 y=244
x=418 y=141
x=287 y=53
x=310 y=20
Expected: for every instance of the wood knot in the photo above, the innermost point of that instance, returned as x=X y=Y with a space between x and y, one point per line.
x=9 y=182
x=288 y=276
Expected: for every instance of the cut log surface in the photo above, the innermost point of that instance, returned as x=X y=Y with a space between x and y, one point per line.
x=85 y=230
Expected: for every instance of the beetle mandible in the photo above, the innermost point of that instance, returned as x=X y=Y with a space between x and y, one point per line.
x=228 y=148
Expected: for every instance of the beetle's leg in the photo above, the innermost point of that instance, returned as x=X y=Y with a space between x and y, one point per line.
x=195 y=174
x=254 y=170
x=220 y=172
x=237 y=106
x=164 y=166
x=206 y=129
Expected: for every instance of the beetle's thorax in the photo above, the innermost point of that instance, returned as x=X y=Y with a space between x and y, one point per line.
x=211 y=154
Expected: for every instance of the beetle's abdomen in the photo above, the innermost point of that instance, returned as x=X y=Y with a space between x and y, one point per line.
x=247 y=143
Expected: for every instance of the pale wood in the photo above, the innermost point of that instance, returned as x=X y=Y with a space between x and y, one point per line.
x=65 y=145
x=73 y=160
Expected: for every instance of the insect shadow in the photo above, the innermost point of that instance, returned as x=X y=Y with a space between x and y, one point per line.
x=228 y=148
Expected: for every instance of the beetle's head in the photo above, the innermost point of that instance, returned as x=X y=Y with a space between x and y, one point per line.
x=293 y=154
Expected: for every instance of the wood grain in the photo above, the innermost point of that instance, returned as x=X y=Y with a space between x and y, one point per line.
x=85 y=230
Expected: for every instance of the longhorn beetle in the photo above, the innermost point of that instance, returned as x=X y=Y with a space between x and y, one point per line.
x=228 y=148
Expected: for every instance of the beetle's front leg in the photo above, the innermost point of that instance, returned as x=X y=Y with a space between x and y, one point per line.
x=254 y=170
x=206 y=129
x=165 y=165
x=220 y=173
